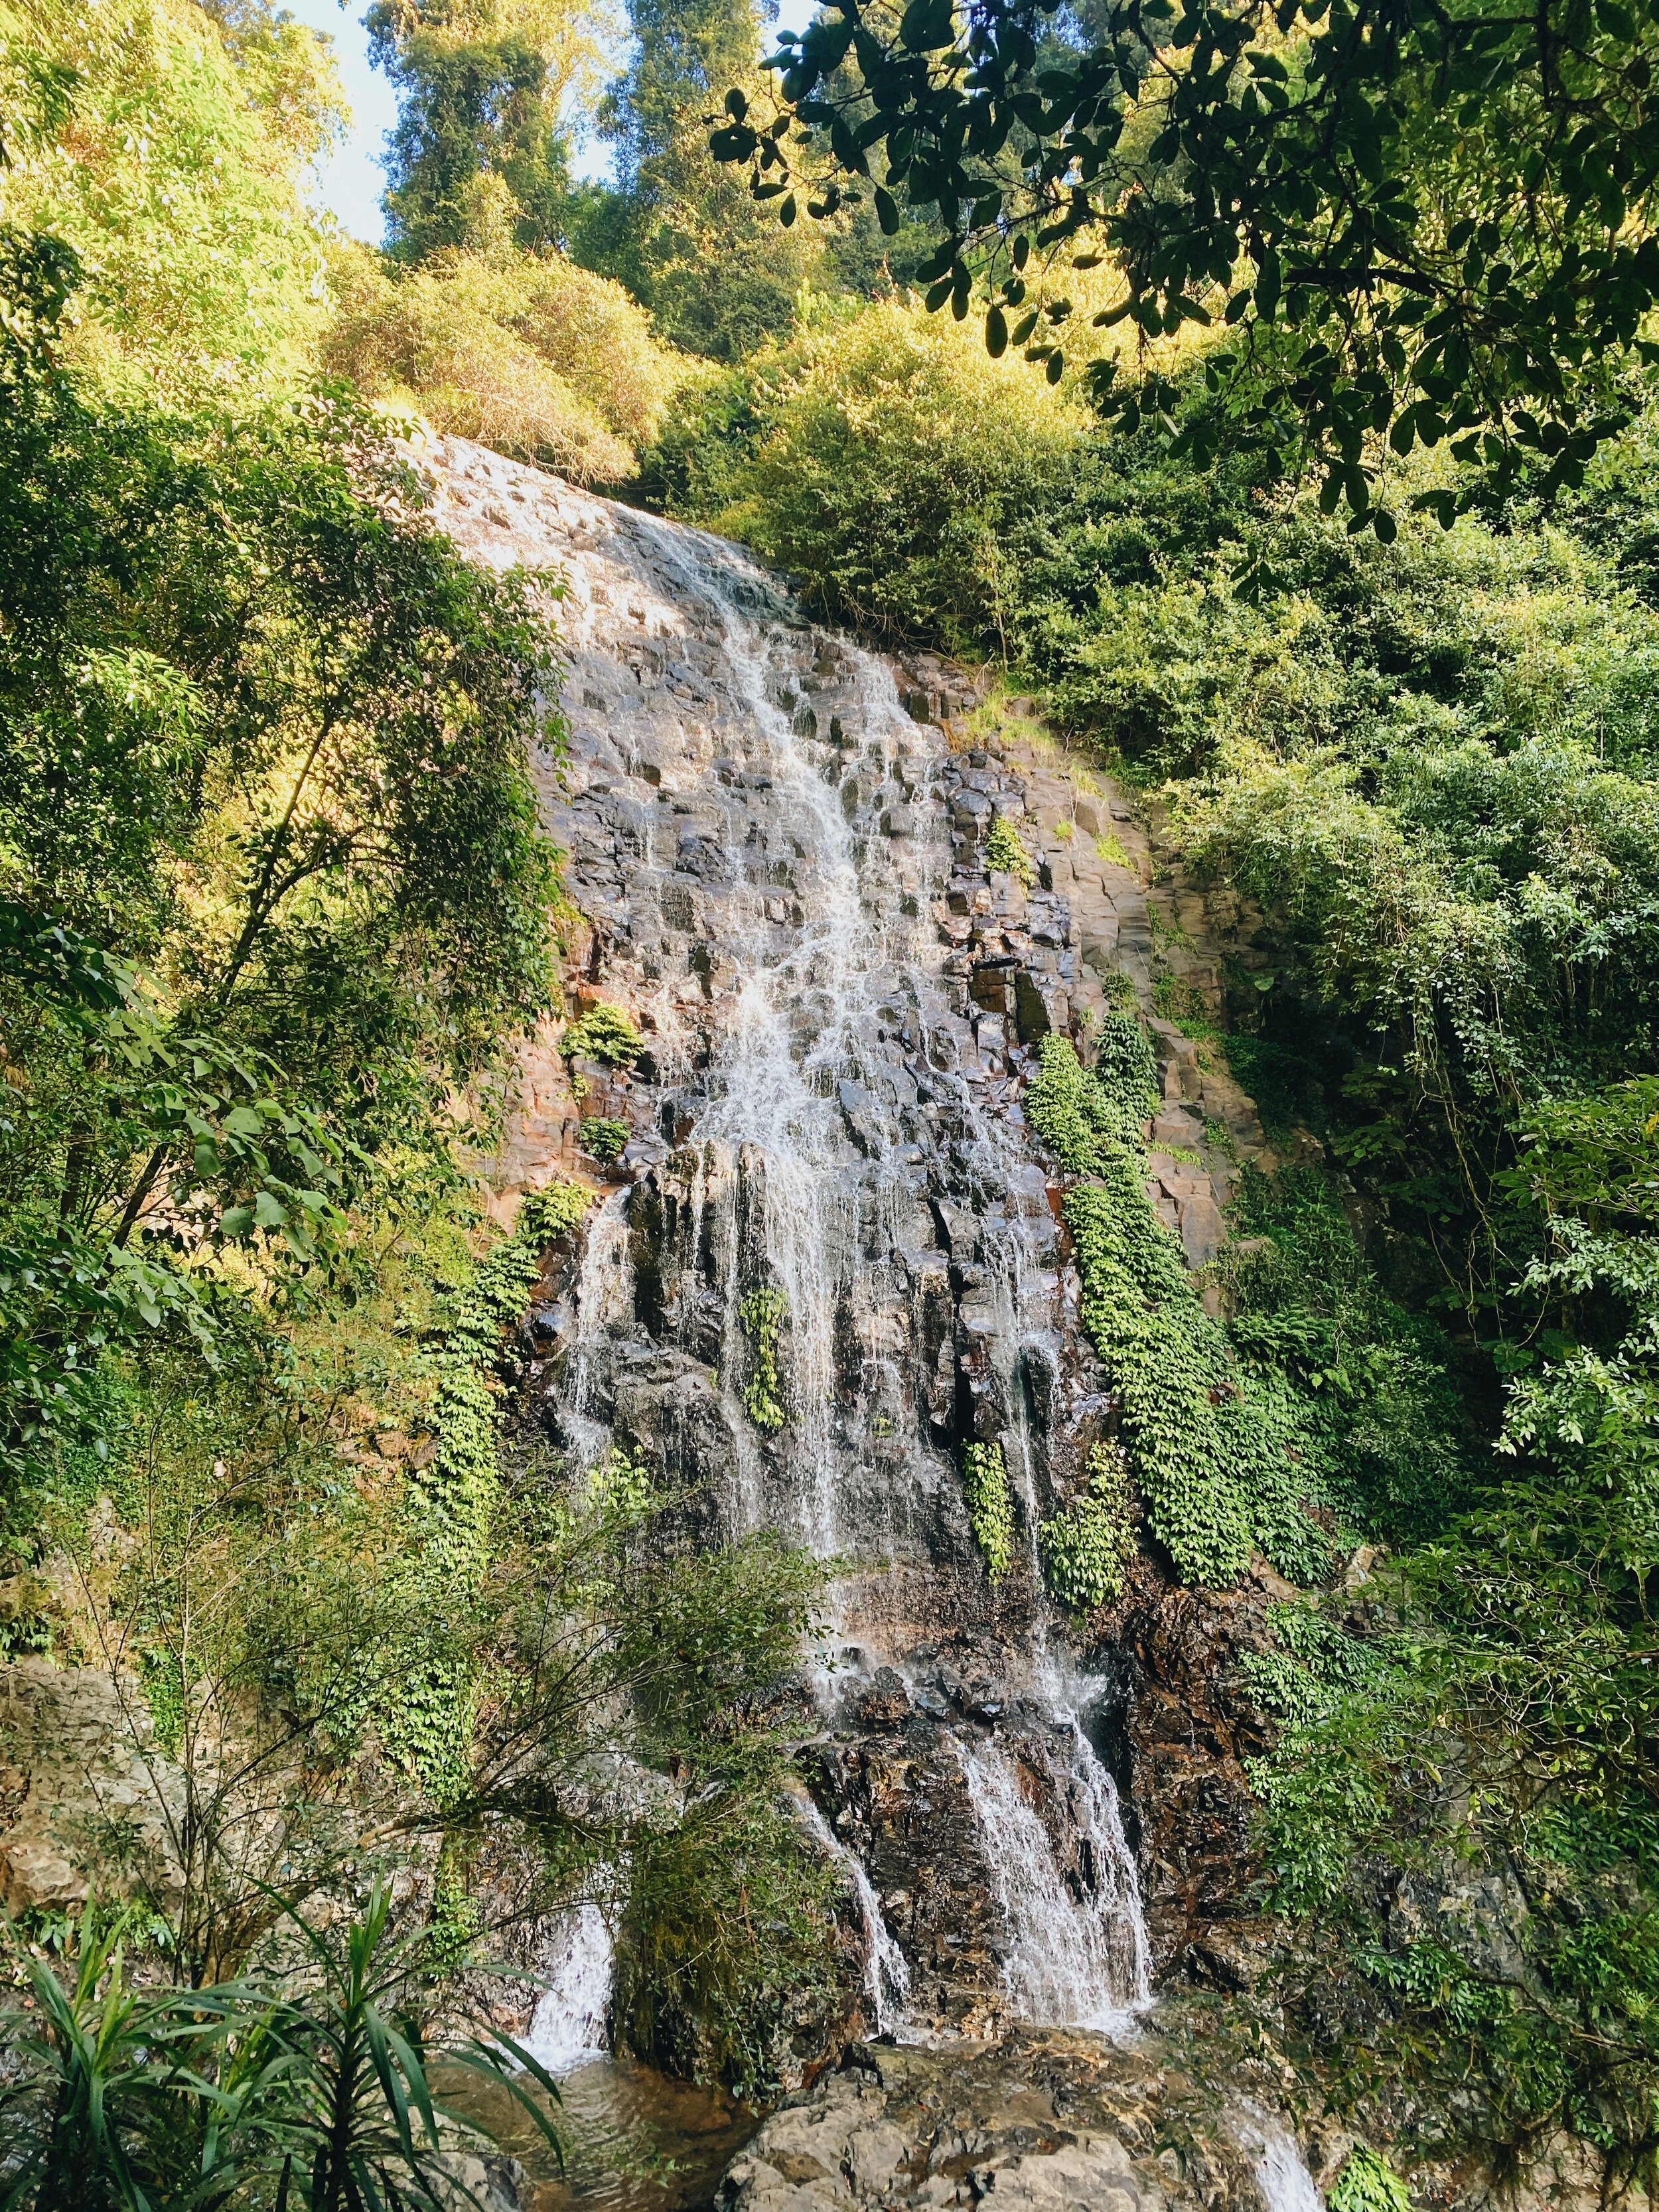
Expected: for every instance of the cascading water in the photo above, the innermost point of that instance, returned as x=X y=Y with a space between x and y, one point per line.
x=886 y=1969
x=568 y=2025
x=1077 y=1956
x=1276 y=2160
x=780 y=867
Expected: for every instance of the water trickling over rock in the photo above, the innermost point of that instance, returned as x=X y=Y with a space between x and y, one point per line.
x=770 y=844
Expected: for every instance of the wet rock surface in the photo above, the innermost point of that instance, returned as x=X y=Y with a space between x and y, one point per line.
x=781 y=846
x=1044 y=2120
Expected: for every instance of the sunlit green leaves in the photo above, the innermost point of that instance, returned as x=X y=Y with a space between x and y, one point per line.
x=1302 y=165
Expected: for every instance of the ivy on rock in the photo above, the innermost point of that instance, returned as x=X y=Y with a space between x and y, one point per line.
x=761 y=1314
x=426 y=1716
x=1168 y=1359
x=990 y=1506
x=1087 y=1546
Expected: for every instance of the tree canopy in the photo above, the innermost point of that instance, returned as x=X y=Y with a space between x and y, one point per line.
x=1410 y=222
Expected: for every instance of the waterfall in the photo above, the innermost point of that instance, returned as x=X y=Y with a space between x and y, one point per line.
x=1276 y=2160
x=781 y=871
x=886 y=1969
x=1072 y=1960
x=568 y=2024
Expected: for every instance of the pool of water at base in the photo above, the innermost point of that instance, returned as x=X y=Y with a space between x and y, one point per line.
x=634 y=2140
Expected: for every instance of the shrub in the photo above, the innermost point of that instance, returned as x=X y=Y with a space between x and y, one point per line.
x=604 y=1139
x=1368 y=2183
x=531 y=356
x=1005 y=853
x=881 y=456
x=607 y=1033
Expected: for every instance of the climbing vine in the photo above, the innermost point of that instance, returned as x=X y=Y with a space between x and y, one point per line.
x=1005 y=853
x=1170 y=1365
x=990 y=1506
x=428 y=1712
x=1071 y=1107
x=1167 y=1360
x=1087 y=1546
x=761 y=1314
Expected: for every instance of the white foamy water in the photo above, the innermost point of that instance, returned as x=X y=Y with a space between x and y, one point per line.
x=1281 y=2172
x=568 y=2025
x=1072 y=1961
x=886 y=1969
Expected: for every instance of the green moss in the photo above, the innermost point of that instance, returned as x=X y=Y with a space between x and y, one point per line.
x=990 y=1506
x=1005 y=853
x=1086 y=1546
x=606 y=1033
x=603 y=1139
x=762 y=1315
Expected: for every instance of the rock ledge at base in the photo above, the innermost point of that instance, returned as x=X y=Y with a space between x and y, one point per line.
x=1043 y=2120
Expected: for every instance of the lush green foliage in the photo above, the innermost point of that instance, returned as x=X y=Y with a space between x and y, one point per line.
x=427 y=1716
x=1339 y=188
x=1367 y=2183
x=604 y=1033
x=529 y=354
x=1086 y=1546
x=603 y=1139
x=167 y=144
x=879 y=457
x=1320 y=1397
x=761 y=1313
x=1004 y=850
x=1491 y=1747
x=258 y=930
x=990 y=1506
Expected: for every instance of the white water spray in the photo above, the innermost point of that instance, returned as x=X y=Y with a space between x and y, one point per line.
x=1072 y=1961
x=568 y=2027
x=1281 y=2172
x=886 y=1969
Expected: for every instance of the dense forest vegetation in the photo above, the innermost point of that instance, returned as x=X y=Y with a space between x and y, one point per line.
x=275 y=906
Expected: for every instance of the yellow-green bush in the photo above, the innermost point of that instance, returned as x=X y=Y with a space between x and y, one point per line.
x=171 y=159
x=530 y=354
x=880 y=456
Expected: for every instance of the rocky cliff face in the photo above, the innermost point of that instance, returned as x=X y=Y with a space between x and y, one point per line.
x=782 y=850
x=781 y=846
